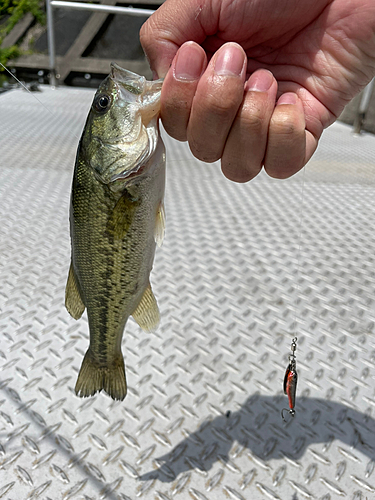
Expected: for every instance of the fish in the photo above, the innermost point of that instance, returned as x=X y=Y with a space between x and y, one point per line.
x=117 y=218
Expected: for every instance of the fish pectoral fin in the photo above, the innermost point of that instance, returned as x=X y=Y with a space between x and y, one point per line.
x=160 y=225
x=122 y=216
x=147 y=312
x=73 y=300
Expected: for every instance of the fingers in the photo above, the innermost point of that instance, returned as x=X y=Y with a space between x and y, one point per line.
x=210 y=106
x=247 y=141
x=200 y=102
x=218 y=96
x=286 y=146
x=179 y=88
x=265 y=134
x=174 y=23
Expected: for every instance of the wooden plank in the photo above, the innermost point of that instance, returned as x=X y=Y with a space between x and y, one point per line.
x=144 y=2
x=73 y=60
x=81 y=65
x=82 y=41
x=32 y=61
x=18 y=31
x=102 y=66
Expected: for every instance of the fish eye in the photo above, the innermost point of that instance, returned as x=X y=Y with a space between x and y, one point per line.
x=102 y=102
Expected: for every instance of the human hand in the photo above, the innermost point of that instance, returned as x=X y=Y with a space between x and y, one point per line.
x=255 y=83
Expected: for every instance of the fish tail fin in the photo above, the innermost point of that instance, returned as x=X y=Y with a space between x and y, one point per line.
x=94 y=377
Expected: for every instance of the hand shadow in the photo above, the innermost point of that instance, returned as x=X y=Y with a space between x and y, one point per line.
x=258 y=426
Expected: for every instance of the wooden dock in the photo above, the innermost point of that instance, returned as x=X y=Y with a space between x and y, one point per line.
x=74 y=61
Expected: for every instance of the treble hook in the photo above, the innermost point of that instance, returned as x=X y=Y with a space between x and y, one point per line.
x=290 y=381
x=291 y=412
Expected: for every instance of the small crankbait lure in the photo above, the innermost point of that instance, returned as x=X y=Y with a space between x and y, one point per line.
x=290 y=381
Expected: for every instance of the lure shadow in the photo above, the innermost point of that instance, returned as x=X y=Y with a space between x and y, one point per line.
x=258 y=429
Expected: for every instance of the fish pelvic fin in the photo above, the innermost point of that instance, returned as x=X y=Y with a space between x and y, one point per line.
x=73 y=299
x=160 y=225
x=147 y=312
x=94 y=378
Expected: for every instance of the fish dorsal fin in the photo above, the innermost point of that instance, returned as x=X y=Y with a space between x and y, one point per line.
x=147 y=312
x=160 y=225
x=73 y=300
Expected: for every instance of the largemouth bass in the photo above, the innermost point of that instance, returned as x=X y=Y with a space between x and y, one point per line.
x=116 y=219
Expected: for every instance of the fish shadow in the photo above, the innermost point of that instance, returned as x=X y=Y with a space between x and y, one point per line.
x=258 y=430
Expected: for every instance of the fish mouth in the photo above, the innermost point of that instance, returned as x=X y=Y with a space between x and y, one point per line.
x=125 y=77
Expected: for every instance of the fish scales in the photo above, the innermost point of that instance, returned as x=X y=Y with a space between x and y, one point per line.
x=116 y=219
x=113 y=271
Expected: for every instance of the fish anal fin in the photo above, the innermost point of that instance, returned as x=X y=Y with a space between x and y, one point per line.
x=93 y=378
x=73 y=300
x=160 y=225
x=147 y=312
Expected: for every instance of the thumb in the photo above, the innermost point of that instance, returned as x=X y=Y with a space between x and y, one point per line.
x=174 y=23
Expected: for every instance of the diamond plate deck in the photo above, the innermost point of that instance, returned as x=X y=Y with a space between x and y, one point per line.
x=232 y=288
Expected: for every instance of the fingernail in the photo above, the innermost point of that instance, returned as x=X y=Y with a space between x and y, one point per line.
x=189 y=63
x=260 y=81
x=230 y=61
x=288 y=98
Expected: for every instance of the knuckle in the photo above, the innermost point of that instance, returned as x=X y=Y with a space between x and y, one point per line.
x=175 y=130
x=255 y=112
x=175 y=113
x=175 y=125
x=174 y=105
x=220 y=105
x=237 y=173
x=286 y=143
x=150 y=33
x=202 y=151
x=287 y=125
x=237 y=166
x=253 y=120
x=285 y=161
x=144 y=35
x=281 y=172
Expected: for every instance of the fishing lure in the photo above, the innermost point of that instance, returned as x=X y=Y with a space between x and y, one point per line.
x=290 y=381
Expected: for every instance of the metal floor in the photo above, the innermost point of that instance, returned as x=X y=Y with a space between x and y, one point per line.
x=233 y=289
